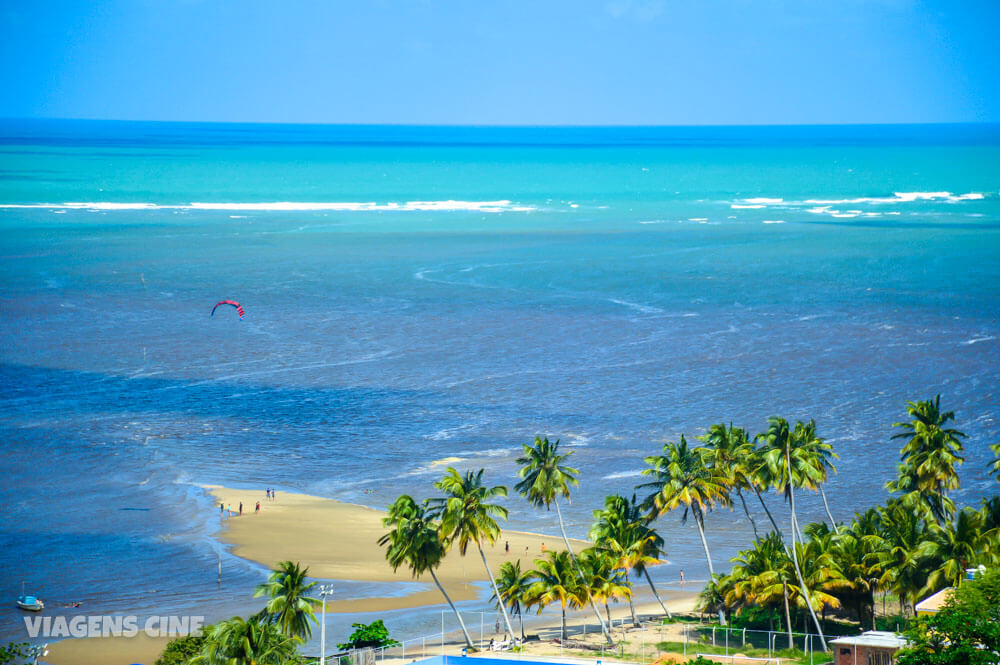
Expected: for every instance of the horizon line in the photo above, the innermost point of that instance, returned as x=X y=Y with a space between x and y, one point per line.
x=963 y=123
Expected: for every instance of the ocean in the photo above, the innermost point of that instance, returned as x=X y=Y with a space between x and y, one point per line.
x=414 y=294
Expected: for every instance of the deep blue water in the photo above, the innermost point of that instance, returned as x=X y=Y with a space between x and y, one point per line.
x=414 y=294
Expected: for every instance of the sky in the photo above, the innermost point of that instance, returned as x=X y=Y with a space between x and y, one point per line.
x=497 y=62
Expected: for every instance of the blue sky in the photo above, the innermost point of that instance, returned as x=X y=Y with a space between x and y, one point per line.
x=652 y=62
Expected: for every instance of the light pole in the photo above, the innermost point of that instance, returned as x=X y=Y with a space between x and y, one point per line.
x=324 y=591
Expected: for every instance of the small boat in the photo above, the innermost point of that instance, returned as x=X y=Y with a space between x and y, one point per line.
x=30 y=603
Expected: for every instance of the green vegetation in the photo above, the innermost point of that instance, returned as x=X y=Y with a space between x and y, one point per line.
x=14 y=652
x=965 y=632
x=789 y=578
x=372 y=635
x=181 y=650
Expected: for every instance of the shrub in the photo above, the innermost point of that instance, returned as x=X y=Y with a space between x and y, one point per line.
x=373 y=635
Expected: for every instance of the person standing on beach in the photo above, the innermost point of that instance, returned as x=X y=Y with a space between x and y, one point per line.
x=222 y=508
x=241 y=508
x=257 y=509
x=682 y=578
x=506 y=547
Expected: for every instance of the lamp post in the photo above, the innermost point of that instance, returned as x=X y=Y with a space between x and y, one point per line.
x=324 y=591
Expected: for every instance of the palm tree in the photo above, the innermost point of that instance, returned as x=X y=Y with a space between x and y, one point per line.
x=605 y=581
x=289 y=607
x=823 y=577
x=544 y=478
x=555 y=581
x=853 y=551
x=762 y=576
x=816 y=454
x=681 y=478
x=623 y=531
x=467 y=516
x=898 y=557
x=956 y=547
x=789 y=470
x=731 y=454
x=513 y=585
x=763 y=477
x=414 y=539
x=714 y=597
x=241 y=642
x=929 y=458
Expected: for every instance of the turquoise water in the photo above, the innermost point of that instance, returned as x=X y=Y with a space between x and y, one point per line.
x=414 y=294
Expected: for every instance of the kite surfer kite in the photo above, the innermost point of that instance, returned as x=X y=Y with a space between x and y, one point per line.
x=233 y=303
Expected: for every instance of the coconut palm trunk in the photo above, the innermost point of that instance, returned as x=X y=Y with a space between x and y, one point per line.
x=699 y=519
x=583 y=579
x=828 y=513
x=795 y=556
x=788 y=615
x=465 y=631
x=496 y=591
x=774 y=524
x=656 y=593
x=756 y=536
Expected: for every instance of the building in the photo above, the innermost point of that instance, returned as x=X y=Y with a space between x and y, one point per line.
x=933 y=604
x=874 y=647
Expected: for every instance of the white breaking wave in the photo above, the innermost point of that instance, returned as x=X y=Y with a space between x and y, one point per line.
x=623 y=474
x=774 y=221
x=763 y=199
x=902 y=197
x=977 y=340
x=290 y=206
x=741 y=206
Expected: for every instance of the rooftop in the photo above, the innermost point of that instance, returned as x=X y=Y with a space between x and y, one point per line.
x=873 y=638
x=933 y=603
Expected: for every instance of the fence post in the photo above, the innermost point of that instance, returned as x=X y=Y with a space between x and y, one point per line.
x=685 y=640
x=744 y=638
x=713 y=636
x=727 y=640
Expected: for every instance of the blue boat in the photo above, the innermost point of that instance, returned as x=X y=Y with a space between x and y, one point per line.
x=30 y=603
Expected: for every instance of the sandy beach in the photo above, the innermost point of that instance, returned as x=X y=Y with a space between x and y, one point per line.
x=340 y=541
